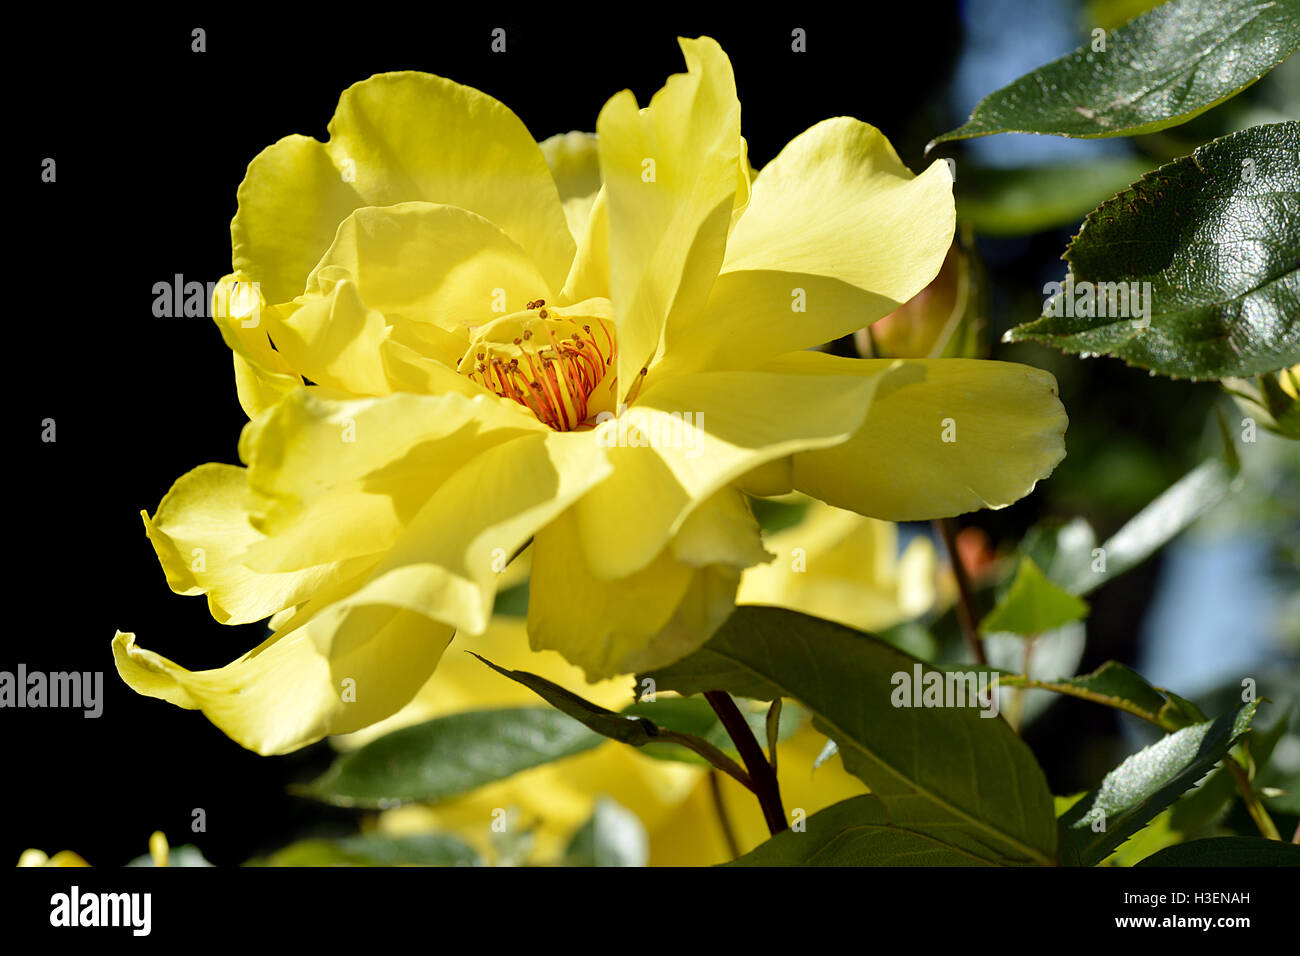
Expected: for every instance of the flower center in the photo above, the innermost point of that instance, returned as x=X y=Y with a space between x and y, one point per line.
x=549 y=363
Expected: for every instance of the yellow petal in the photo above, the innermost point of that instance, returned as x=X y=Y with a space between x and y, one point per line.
x=744 y=184
x=258 y=389
x=738 y=421
x=670 y=175
x=262 y=375
x=291 y=202
x=838 y=202
x=756 y=315
x=589 y=276
x=449 y=559
x=380 y=636
x=39 y=858
x=432 y=265
x=652 y=617
x=410 y=369
x=836 y=234
x=332 y=338
x=345 y=668
x=396 y=137
x=575 y=163
x=942 y=437
x=201 y=532
x=159 y=850
x=463 y=682
x=838 y=565
x=335 y=479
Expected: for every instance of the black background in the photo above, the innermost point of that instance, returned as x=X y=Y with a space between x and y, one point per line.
x=151 y=141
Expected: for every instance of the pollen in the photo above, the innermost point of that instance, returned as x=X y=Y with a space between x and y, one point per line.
x=549 y=364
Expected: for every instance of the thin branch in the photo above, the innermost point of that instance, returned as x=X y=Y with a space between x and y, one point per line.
x=760 y=771
x=724 y=820
x=712 y=754
x=947 y=529
x=1251 y=799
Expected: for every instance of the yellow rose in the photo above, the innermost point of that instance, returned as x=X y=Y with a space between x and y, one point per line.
x=448 y=346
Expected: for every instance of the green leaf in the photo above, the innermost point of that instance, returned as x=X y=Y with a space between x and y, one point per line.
x=1156 y=71
x=1062 y=549
x=1033 y=605
x=1284 y=410
x=1206 y=805
x=1211 y=244
x=1151 y=528
x=1145 y=784
x=1121 y=687
x=613 y=836
x=941 y=770
x=632 y=728
x=629 y=727
x=773 y=516
x=693 y=715
x=1114 y=685
x=449 y=756
x=513 y=601
x=1203 y=806
x=1152 y=838
x=423 y=849
x=911 y=637
x=1227 y=851
x=1016 y=202
x=857 y=832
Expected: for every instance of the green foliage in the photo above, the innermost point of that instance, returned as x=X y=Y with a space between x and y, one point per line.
x=630 y=727
x=972 y=783
x=694 y=716
x=613 y=836
x=1284 y=409
x=1018 y=201
x=423 y=849
x=1227 y=851
x=858 y=832
x=1033 y=605
x=1145 y=784
x=1117 y=686
x=1211 y=243
x=449 y=756
x=1158 y=70
x=1071 y=558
